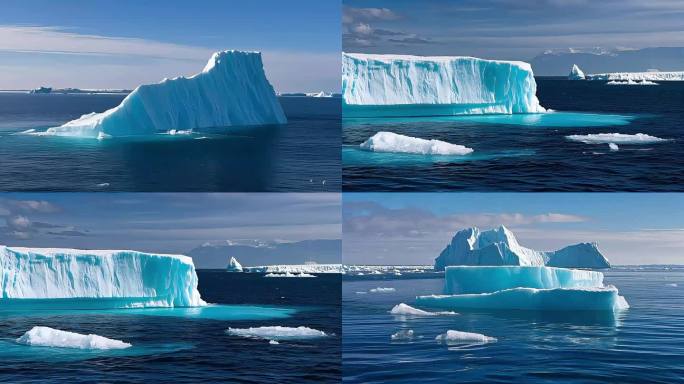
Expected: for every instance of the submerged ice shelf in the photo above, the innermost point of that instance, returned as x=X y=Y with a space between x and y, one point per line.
x=106 y=278
x=232 y=90
x=499 y=246
x=403 y=85
x=524 y=288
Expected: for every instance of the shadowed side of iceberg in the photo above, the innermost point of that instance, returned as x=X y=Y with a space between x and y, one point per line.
x=232 y=90
x=100 y=278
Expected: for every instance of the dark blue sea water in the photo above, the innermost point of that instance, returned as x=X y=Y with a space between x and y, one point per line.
x=531 y=153
x=643 y=344
x=176 y=349
x=303 y=155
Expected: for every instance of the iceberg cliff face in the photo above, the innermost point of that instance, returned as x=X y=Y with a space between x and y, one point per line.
x=126 y=278
x=500 y=247
x=458 y=85
x=231 y=90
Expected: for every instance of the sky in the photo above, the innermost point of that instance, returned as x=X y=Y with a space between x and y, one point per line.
x=164 y=223
x=508 y=29
x=413 y=228
x=121 y=44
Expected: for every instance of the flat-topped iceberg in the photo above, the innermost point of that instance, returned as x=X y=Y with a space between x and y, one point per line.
x=499 y=246
x=460 y=337
x=278 y=333
x=232 y=90
x=393 y=142
x=50 y=337
x=639 y=76
x=436 y=85
x=296 y=268
x=576 y=73
x=111 y=278
x=524 y=288
x=620 y=138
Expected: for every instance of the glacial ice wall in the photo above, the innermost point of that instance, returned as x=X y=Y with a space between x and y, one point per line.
x=468 y=279
x=127 y=278
x=464 y=85
x=232 y=90
x=499 y=246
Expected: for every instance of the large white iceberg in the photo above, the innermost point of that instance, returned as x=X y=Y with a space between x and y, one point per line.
x=639 y=76
x=447 y=85
x=393 y=142
x=114 y=278
x=499 y=246
x=234 y=265
x=232 y=90
x=576 y=73
x=525 y=288
x=50 y=337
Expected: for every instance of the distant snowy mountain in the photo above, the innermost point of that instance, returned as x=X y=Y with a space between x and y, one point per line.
x=255 y=253
x=598 y=60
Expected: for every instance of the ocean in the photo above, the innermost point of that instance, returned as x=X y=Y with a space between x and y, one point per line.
x=174 y=346
x=302 y=155
x=643 y=344
x=531 y=152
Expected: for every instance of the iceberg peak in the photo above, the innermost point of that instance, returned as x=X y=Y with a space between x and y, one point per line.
x=234 y=265
x=499 y=246
x=576 y=73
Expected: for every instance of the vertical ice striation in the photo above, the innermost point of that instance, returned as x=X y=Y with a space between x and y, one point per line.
x=442 y=85
x=123 y=278
x=232 y=90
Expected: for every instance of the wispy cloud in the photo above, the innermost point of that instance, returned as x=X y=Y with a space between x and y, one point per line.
x=359 y=33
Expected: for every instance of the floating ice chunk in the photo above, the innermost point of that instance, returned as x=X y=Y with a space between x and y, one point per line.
x=392 y=142
x=404 y=309
x=234 y=265
x=499 y=246
x=382 y=290
x=576 y=73
x=455 y=85
x=277 y=333
x=231 y=90
x=403 y=335
x=175 y=132
x=288 y=274
x=458 y=337
x=115 y=278
x=273 y=342
x=615 y=138
x=630 y=82
x=296 y=268
x=613 y=147
x=50 y=337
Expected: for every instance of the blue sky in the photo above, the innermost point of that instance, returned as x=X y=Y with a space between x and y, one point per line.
x=173 y=223
x=122 y=43
x=410 y=228
x=508 y=29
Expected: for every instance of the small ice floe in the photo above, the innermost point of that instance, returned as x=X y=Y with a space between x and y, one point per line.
x=277 y=333
x=458 y=337
x=615 y=138
x=176 y=132
x=289 y=274
x=103 y=185
x=613 y=147
x=403 y=335
x=405 y=309
x=50 y=337
x=273 y=342
x=672 y=285
x=631 y=82
x=393 y=142
x=382 y=290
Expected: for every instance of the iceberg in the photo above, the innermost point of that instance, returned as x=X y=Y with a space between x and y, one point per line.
x=232 y=90
x=403 y=335
x=524 y=288
x=382 y=290
x=630 y=82
x=402 y=309
x=500 y=247
x=458 y=337
x=296 y=268
x=118 y=279
x=234 y=265
x=50 y=337
x=621 y=138
x=576 y=73
x=392 y=142
x=402 y=85
x=277 y=333
x=289 y=274
x=639 y=76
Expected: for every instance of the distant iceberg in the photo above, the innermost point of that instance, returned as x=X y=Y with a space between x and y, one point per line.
x=500 y=247
x=445 y=85
x=525 y=288
x=296 y=268
x=319 y=94
x=392 y=142
x=407 y=310
x=234 y=265
x=232 y=90
x=289 y=274
x=119 y=279
x=50 y=337
x=278 y=333
x=616 y=138
x=639 y=76
x=631 y=82
x=576 y=73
